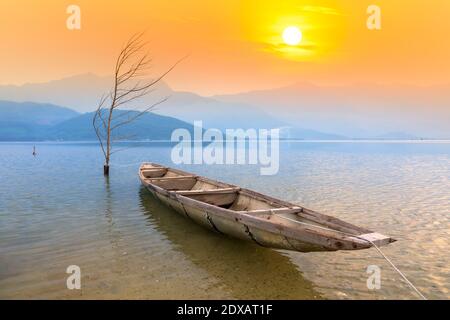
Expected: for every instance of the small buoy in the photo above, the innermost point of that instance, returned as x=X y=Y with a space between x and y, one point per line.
x=34 y=151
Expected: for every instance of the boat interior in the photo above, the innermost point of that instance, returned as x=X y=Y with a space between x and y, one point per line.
x=234 y=198
x=205 y=190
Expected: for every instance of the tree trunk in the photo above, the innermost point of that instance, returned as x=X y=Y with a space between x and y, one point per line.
x=106 y=169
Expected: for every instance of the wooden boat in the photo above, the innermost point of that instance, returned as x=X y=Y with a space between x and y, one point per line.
x=248 y=215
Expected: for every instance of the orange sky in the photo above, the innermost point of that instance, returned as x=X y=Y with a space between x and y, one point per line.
x=233 y=45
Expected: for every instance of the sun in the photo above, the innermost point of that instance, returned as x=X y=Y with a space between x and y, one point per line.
x=292 y=36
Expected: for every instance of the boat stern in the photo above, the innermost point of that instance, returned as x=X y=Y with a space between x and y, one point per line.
x=374 y=238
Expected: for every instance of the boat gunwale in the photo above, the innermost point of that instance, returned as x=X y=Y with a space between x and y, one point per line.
x=305 y=212
x=257 y=221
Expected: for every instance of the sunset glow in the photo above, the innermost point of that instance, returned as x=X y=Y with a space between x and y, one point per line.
x=233 y=46
x=197 y=150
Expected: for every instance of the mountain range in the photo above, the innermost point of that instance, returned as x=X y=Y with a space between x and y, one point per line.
x=358 y=111
x=83 y=92
x=37 y=122
x=29 y=121
x=302 y=111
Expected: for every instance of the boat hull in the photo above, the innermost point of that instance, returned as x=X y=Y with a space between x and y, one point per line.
x=232 y=228
x=250 y=216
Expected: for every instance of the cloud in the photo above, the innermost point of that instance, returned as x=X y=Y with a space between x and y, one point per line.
x=321 y=10
x=302 y=52
x=283 y=47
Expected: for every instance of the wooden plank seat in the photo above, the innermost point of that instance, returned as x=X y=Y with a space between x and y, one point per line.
x=175 y=182
x=154 y=172
x=222 y=197
x=171 y=178
x=211 y=191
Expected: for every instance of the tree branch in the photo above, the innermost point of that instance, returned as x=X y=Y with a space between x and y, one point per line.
x=131 y=65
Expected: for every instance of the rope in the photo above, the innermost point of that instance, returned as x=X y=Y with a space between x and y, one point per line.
x=396 y=269
x=373 y=244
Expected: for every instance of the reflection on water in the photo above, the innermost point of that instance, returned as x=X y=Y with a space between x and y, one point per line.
x=57 y=209
x=243 y=269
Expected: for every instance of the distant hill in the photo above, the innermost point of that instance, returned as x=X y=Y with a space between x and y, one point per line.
x=307 y=134
x=29 y=120
x=149 y=126
x=358 y=111
x=37 y=122
x=82 y=93
x=34 y=113
x=20 y=131
x=364 y=111
x=397 y=136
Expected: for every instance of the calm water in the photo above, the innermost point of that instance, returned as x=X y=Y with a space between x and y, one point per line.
x=57 y=210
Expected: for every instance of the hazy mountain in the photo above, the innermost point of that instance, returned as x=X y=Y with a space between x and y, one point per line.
x=309 y=111
x=397 y=136
x=28 y=120
x=150 y=126
x=34 y=113
x=307 y=134
x=359 y=111
x=82 y=93
x=33 y=121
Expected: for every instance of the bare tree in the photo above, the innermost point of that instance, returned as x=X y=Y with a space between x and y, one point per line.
x=130 y=84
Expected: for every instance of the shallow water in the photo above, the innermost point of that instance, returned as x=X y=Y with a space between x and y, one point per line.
x=57 y=210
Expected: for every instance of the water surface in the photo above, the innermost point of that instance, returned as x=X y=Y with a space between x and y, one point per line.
x=57 y=210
